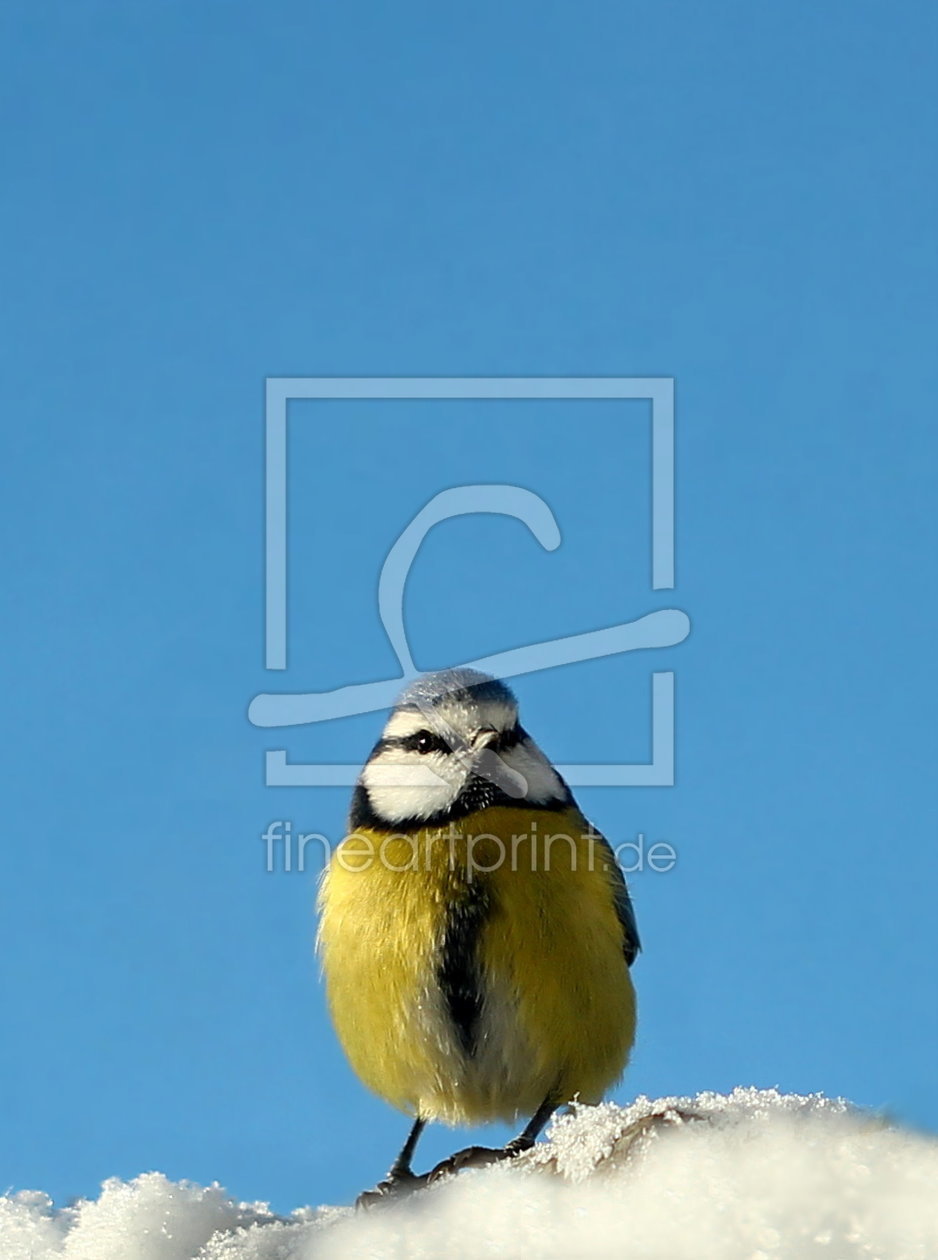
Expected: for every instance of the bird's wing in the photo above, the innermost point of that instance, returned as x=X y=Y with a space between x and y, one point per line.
x=625 y=911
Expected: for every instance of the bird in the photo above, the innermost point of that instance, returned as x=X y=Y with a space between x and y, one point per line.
x=476 y=933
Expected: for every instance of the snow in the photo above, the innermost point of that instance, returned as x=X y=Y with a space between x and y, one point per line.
x=749 y=1176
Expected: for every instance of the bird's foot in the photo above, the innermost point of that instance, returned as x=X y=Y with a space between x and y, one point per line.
x=476 y=1157
x=395 y=1186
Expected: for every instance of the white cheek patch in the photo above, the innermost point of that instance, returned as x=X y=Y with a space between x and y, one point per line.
x=544 y=783
x=400 y=787
x=387 y=774
x=404 y=785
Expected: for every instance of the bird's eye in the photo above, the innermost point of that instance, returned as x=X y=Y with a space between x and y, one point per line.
x=426 y=741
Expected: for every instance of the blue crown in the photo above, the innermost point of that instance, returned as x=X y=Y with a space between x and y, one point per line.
x=467 y=685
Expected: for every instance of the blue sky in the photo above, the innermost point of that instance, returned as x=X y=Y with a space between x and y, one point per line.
x=201 y=195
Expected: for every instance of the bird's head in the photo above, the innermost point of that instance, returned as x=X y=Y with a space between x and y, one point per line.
x=452 y=745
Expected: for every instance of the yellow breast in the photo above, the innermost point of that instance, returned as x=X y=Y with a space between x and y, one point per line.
x=504 y=921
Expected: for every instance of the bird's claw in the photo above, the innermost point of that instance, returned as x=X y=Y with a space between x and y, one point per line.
x=391 y=1189
x=471 y=1157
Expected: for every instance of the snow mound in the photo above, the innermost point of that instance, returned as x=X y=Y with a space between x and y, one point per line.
x=749 y=1176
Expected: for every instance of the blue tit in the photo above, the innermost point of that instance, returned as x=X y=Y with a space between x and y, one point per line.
x=476 y=932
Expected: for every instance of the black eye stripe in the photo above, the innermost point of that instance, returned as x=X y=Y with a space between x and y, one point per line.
x=429 y=741
x=419 y=741
x=426 y=742
x=508 y=739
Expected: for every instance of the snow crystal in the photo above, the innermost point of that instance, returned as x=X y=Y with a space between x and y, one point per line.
x=752 y=1176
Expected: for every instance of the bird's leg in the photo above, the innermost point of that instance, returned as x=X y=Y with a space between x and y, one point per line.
x=401 y=1178
x=479 y=1156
